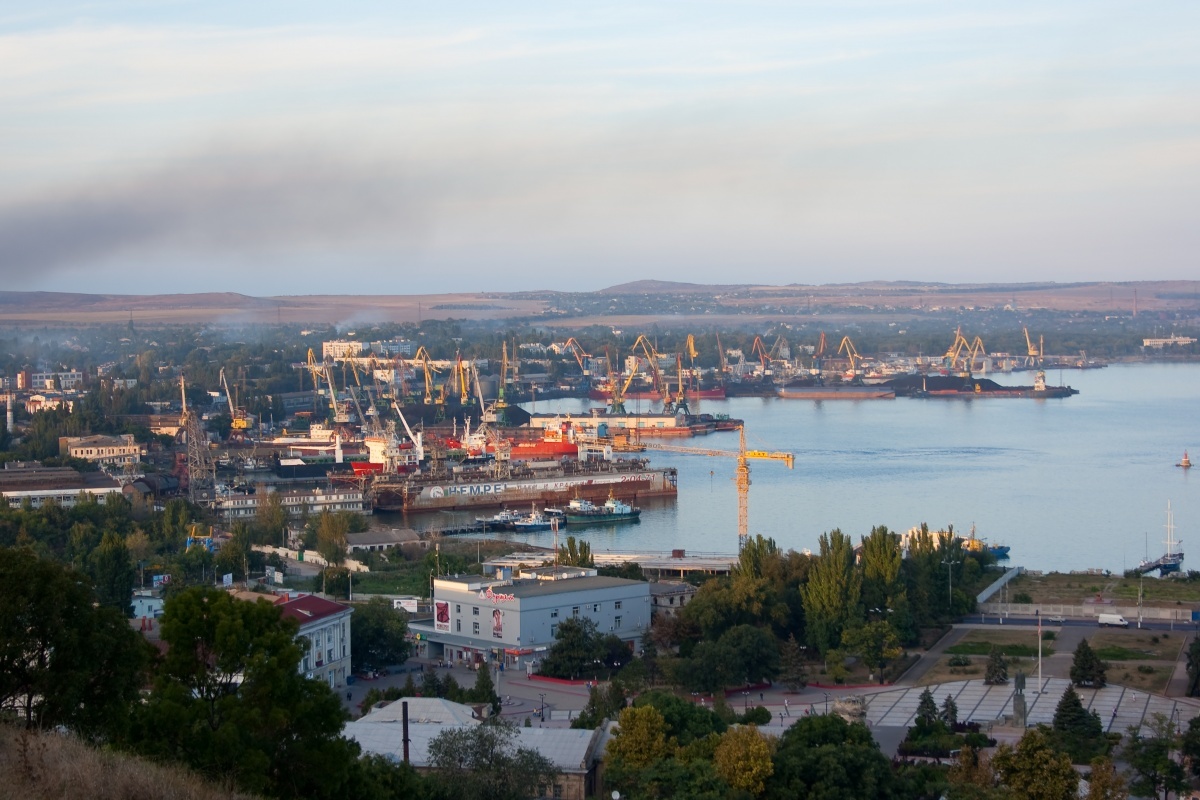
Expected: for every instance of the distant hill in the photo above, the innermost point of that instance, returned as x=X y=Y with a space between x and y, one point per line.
x=667 y=287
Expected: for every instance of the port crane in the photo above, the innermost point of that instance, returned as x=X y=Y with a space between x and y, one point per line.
x=1034 y=358
x=241 y=422
x=851 y=352
x=759 y=349
x=617 y=401
x=422 y=358
x=652 y=358
x=741 y=476
x=581 y=356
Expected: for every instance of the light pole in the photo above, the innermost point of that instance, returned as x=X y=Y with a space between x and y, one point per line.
x=826 y=703
x=950 y=562
x=542 y=708
x=745 y=700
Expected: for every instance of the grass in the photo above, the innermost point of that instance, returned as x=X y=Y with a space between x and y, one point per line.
x=1011 y=643
x=43 y=765
x=1135 y=645
x=1056 y=588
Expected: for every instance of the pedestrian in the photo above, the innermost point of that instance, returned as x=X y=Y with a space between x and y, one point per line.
x=760 y=697
x=348 y=696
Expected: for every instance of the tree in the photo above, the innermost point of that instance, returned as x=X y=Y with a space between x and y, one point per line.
x=379 y=635
x=1076 y=731
x=575 y=553
x=997 y=667
x=927 y=710
x=875 y=643
x=824 y=756
x=792 y=670
x=831 y=595
x=1149 y=758
x=576 y=649
x=881 y=560
x=64 y=661
x=331 y=537
x=640 y=738
x=484 y=690
x=484 y=762
x=604 y=702
x=685 y=722
x=743 y=759
x=1104 y=782
x=1035 y=770
x=755 y=655
x=114 y=574
x=229 y=700
x=1190 y=745
x=270 y=521
x=1087 y=669
x=949 y=715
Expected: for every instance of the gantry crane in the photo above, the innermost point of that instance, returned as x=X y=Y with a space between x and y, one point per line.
x=617 y=401
x=759 y=349
x=1034 y=358
x=741 y=475
x=851 y=352
x=422 y=358
x=652 y=358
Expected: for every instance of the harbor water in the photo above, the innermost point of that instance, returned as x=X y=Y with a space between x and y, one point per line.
x=1074 y=483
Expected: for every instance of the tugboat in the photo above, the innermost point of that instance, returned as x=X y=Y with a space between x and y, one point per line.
x=503 y=521
x=1186 y=463
x=582 y=511
x=532 y=522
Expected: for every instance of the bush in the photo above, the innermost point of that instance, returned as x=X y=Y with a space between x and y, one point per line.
x=759 y=715
x=1145 y=669
x=1048 y=636
x=1022 y=597
x=960 y=660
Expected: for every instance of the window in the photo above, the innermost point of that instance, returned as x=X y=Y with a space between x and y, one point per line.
x=617 y=605
x=457 y=608
x=458 y=626
x=558 y=790
x=595 y=608
x=553 y=631
x=475 y=628
x=329 y=654
x=575 y=611
x=554 y=613
x=616 y=622
x=475 y=611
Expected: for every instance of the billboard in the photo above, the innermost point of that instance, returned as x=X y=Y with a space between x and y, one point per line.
x=441 y=616
x=409 y=604
x=497 y=624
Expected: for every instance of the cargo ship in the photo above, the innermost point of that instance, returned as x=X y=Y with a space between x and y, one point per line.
x=542 y=483
x=798 y=390
x=712 y=393
x=957 y=387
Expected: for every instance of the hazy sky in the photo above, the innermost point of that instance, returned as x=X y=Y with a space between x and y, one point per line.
x=394 y=147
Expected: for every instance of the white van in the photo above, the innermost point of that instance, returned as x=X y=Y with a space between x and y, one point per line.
x=1115 y=620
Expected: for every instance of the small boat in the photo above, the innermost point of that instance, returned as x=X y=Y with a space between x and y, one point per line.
x=581 y=511
x=1186 y=463
x=503 y=521
x=554 y=513
x=533 y=522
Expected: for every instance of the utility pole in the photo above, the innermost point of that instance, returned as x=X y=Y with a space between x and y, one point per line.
x=950 y=562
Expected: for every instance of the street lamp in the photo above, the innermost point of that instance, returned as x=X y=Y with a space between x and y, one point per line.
x=542 y=709
x=826 y=703
x=745 y=700
x=950 y=562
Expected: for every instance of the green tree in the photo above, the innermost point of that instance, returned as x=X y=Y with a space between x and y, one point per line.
x=484 y=762
x=685 y=721
x=875 y=643
x=114 y=574
x=271 y=519
x=379 y=635
x=1190 y=745
x=881 y=560
x=604 y=702
x=825 y=757
x=831 y=595
x=1035 y=770
x=927 y=711
x=792 y=669
x=743 y=759
x=1076 y=731
x=576 y=650
x=949 y=714
x=331 y=537
x=64 y=661
x=996 y=671
x=576 y=553
x=1149 y=757
x=755 y=654
x=484 y=690
x=1087 y=669
x=235 y=555
x=230 y=702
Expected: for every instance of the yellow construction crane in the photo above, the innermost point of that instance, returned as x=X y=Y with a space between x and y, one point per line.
x=241 y=422
x=652 y=358
x=580 y=354
x=741 y=475
x=976 y=355
x=1035 y=353
x=851 y=352
x=422 y=358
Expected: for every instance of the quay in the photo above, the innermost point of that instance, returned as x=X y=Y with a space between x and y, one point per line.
x=671 y=564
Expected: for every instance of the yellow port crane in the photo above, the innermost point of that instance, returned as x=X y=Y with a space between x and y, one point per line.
x=741 y=476
x=581 y=356
x=241 y=422
x=652 y=359
x=422 y=357
x=851 y=352
x=1035 y=353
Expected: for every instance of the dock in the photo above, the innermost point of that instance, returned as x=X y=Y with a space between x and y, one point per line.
x=661 y=564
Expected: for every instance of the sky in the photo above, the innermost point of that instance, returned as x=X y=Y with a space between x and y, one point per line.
x=282 y=148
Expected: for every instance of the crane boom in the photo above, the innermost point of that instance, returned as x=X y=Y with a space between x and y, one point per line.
x=741 y=474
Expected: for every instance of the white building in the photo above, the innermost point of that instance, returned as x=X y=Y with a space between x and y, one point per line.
x=296 y=502
x=65 y=498
x=340 y=348
x=325 y=635
x=514 y=620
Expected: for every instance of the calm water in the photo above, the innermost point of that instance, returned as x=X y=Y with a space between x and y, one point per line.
x=1068 y=484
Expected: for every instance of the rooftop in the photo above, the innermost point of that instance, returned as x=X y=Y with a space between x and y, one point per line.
x=309 y=607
